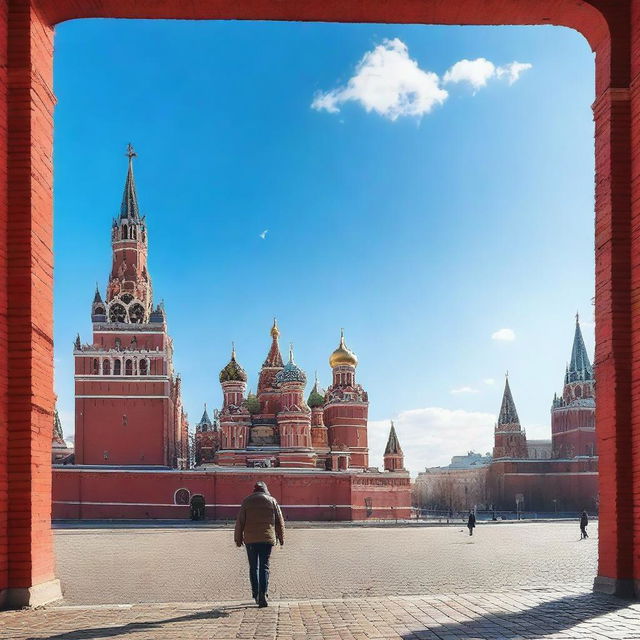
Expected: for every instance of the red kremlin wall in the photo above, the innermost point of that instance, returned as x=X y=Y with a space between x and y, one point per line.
x=96 y=494
x=612 y=28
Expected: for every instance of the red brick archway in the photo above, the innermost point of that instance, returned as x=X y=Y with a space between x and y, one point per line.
x=612 y=27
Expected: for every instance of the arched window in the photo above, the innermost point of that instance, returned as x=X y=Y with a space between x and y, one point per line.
x=128 y=368
x=106 y=367
x=144 y=367
x=116 y=367
x=181 y=496
x=96 y=367
x=124 y=231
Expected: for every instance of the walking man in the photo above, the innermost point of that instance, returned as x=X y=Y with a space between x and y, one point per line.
x=471 y=522
x=584 y=521
x=259 y=525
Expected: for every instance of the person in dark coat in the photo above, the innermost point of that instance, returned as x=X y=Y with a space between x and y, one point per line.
x=259 y=525
x=471 y=522
x=584 y=521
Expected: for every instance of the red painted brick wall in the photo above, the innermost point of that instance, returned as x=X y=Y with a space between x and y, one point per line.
x=103 y=494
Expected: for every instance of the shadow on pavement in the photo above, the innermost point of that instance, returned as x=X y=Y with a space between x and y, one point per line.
x=136 y=627
x=540 y=621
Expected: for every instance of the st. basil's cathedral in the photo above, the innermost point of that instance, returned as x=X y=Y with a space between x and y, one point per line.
x=131 y=432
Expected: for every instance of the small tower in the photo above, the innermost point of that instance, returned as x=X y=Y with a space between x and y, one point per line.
x=319 y=433
x=393 y=456
x=573 y=430
x=98 y=309
x=346 y=409
x=294 y=419
x=207 y=438
x=234 y=417
x=510 y=441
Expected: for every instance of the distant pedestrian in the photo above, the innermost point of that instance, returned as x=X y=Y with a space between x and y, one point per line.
x=584 y=521
x=471 y=522
x=259 y=525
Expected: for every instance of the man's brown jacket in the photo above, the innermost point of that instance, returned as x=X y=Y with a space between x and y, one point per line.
x=259 y=520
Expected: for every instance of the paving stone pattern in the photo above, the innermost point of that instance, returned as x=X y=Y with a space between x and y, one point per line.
x=203 y=565
x=512 y=615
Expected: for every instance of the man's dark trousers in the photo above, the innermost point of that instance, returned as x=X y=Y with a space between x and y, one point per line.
x=258 y=554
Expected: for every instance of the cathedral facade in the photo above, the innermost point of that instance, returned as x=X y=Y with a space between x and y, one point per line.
x=278 y=427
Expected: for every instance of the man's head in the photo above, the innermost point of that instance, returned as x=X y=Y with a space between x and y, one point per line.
x=260 y=487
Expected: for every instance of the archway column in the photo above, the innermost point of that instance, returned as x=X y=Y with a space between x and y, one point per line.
x=26 y=319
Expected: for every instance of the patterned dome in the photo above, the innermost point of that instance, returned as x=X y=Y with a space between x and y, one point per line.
x=233 y=371
x=316 y=399
x=343 y=355
x=291 y=372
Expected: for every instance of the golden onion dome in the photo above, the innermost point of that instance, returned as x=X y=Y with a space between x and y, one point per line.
x=343 y=356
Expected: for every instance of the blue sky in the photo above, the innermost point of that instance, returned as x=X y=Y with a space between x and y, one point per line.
x=421 y=235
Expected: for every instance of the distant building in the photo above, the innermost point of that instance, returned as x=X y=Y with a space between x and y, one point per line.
x=560 y=474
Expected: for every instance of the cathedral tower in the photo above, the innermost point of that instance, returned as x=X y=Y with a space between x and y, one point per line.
x=573 y=429
x=510 y=441
x=268 y=394
x=319 y=433
x=235 y=419
x=347 y=408
x=393 y=456
x=128 y=405
x=294 y=418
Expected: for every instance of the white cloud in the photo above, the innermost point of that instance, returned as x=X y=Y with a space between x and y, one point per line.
x=463 y=390
x=476 y=72
x=479 y=71
x=489 y=381
x=505 y=335
x=430 y=436
x=388 y=82
x=512 y=71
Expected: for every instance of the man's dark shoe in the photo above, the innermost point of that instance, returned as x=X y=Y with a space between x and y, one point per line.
x=262 y=601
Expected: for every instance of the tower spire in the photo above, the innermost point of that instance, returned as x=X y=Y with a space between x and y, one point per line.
x=129 y=207
x=580 y=368
x=274 y=359
x=393 y=444
x=508 y=414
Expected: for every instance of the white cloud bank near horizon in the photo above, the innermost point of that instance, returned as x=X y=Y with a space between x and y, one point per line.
x=389 y=82
x=430 y=436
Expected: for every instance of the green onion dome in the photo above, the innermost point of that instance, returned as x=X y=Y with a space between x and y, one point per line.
x=233 y=371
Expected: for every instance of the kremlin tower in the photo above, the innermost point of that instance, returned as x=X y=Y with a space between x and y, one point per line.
x=510 y=440
x=128 y=401
x=573 y=429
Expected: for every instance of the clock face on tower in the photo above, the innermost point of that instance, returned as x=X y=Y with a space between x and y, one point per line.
x=136 y=313
x=117 y=313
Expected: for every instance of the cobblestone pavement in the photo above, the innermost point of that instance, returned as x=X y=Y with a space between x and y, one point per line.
x=129 y=566
x=513 y=615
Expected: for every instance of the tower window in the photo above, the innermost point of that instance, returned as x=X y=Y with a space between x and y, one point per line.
x=106 y=367
x=144 y=367
x=124 y=232
x=128 y=368
x=96 y=367
x=117 y=368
